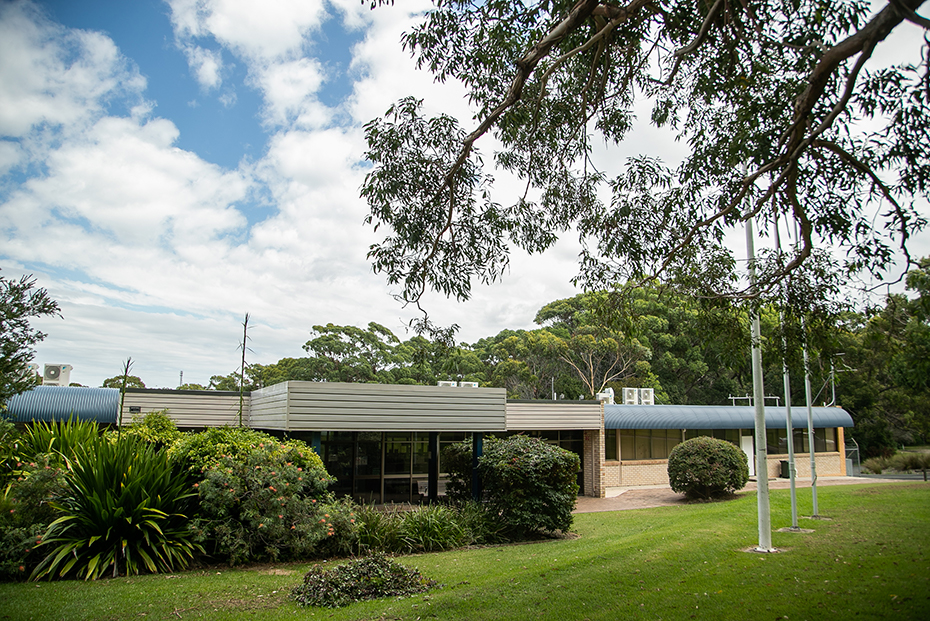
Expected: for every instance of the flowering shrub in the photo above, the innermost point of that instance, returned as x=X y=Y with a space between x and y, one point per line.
x=361 y=579
x=263 y=504
x=705 y=467
x=25 y=514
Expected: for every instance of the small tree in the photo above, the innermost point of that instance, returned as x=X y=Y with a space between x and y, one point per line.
x=706 y=467
x=20 y=301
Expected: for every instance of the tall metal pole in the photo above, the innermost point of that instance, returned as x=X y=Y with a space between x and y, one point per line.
x=758 y=392
x=810 y=420
x=792 y=470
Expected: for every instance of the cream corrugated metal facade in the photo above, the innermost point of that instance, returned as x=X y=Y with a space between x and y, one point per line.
x=554 y=415
x=320 y=406
x=187 y=408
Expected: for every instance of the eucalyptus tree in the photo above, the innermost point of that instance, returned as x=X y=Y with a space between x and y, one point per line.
x=832 y=140
x=20 y=302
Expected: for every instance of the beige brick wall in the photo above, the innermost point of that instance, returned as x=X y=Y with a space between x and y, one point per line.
x=647 y=472
x=828 y=464
x=594 y=469
x=612 y=474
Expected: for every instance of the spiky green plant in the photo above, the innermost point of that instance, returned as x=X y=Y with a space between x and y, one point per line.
x=124 y=513
x=56 y=438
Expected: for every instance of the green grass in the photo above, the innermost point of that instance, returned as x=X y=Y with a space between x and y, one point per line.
x=870 y=561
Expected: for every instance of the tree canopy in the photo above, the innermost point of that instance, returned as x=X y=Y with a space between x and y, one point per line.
x=783 y=111
x=20 y=301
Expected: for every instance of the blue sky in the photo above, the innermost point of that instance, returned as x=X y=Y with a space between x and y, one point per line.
x=168 y=165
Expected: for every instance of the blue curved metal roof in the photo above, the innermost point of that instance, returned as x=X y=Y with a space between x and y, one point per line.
x=52 y=403
x=717 y=417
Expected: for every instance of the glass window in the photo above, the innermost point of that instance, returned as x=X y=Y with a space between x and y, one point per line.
x=397 y=457
x=610 y=444
x=642 y=443
x=420 y=457
x=627 y=445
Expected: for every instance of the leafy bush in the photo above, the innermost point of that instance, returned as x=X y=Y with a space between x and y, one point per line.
x=342 y=528
x=261 y=505
x=529 y=485
x=124 y=513
x=362 y=579
x=9 y=448
x=705 y=467
x=25 y=514
x=198 y=451
x=155 y=427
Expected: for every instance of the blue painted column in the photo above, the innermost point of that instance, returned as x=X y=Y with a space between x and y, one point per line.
x=477 y=448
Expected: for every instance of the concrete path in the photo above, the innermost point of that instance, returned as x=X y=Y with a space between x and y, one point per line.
x=646 y=496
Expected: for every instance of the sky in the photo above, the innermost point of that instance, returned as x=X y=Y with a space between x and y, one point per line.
x=168 y=166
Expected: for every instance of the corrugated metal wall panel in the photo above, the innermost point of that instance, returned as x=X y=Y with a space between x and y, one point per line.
x=52 y=403
x=268 y=408
x=313 y=406
x=188 y=408
x=552 y=415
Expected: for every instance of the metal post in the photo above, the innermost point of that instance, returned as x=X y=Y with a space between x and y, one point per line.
x=791 y=467
x=432 y=481
x=758 y=391
x=477 y=448
x=810 y=421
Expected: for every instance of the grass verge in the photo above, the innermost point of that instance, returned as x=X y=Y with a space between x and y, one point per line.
x=871 y=561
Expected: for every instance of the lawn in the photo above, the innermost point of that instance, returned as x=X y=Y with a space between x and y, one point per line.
x=870 y=561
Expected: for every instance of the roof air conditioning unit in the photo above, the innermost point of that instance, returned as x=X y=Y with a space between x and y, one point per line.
x=607 y=396
x=447 y=384
x=647 y=396
x=468 y=384
x=57 y=375
x=630 y=396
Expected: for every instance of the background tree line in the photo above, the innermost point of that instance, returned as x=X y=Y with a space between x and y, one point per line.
x=690 y=351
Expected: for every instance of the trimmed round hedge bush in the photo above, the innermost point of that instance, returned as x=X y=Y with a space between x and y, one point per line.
x=706 y=467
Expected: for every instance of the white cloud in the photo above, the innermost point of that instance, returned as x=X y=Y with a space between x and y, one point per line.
x=50 y=75
x=290 y=93
x=207 y=65
x=260 y=31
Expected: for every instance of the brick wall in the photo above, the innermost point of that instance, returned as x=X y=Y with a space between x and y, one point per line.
x=594 y=469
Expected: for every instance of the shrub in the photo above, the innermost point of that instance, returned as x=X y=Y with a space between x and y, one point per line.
x=9 y=447
x=342 y=528
x=25 y=514
x=124 y=513
x=361 y=579
x=911 y=460
x=155 y=427
x=705 y=467
x=259 y=505
x=530 y=486
x=876 y=465
x=198 y=451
